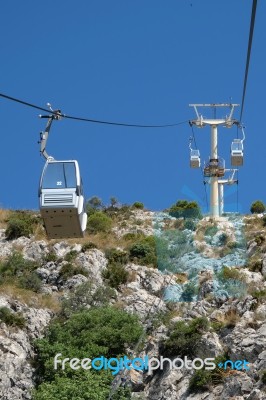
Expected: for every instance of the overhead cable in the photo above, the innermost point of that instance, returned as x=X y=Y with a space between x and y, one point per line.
x=252 y=24
x=89 y=119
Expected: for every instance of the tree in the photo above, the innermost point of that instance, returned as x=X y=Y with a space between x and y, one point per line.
x=99 y=222
x=113 y=201
x=185 y=209
x=93 y=204
x=100 y=331
x=257 y=207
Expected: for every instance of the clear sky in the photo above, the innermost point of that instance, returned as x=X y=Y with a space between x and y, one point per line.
x=140 y=61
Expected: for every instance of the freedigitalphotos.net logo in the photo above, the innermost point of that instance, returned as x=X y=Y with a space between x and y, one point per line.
x=144 y=364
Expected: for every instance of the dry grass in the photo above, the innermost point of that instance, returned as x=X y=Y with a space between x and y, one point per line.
x=32 y=299
x=132 y=276
x=230 y=318
x=181 y=277
x=4 y=215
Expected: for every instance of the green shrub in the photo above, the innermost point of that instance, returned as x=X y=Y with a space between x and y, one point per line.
x=11 y=319
x=71 y=255
x=230 y=273
x=260 y=239
x=51 y=256
x=68 y=270
x=257 y=207
x=104 y=331
x=133 y=236
x=223 y=238
x=185 y=209
x=99 y=222
x=116 y=274
x=232 y=245
x=87 y=387
x=144 y=251
x=21 y=271
x=85 y=296
x=20 y=223
x=190 y=224
x=116 y=256
x=259 y=295
x=189 y=292
x=263 y=377
x=203 y=379
x=138 y=205
x=184 y=337
x=264 y=220
x=255 y=265
x=211 y=230
x=88 y=246
x=30 y=280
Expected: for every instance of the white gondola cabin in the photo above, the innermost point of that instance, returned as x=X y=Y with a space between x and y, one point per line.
x=237 y=154
x=194 y=159
x=62 y=203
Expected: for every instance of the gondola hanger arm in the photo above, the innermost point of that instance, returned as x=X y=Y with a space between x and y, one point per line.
x=57 y=115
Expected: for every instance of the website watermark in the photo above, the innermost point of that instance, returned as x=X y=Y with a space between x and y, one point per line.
x=146 y=363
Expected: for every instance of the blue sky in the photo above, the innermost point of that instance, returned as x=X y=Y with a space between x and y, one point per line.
x=129 y=61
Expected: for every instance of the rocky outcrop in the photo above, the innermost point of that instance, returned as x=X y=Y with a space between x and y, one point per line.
x=16 y=350
x=237 y=322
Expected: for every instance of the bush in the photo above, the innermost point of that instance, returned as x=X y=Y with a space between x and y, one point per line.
x=259 y=295
x=257 y=207
x=263 y=377
x=93 y=205
x=116 y=274
x=189 y=292
x=211 y=230
x=99 y=222
x=202 y=379
x=10 y=318
x=255 y=265
x=190 y=225
x=22 y=270
x=20 y=223
x=184 y=337
x=71 y=255
x=132 y=236
x=138 y=205
x=185 y=209
x=223 y=239
x=264 y=220
x=30 y=280
x=88 y=246
x=144 y=252
x=68 y=270
x=51 y=256
x=116 y=256
x=99 y=331
x=85 y=296
x=230 y=273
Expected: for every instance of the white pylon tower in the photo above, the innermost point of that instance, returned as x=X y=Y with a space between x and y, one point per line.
x=215 y=168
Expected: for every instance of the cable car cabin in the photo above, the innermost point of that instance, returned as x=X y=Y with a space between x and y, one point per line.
x=237 y=152
x=215 y=168
x=62 y=202
x=194 y=159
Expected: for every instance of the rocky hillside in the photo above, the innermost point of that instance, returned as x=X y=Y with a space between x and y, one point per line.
x=197 y=288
